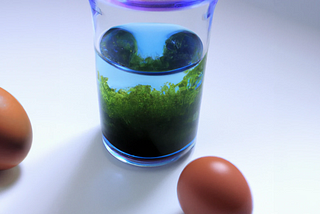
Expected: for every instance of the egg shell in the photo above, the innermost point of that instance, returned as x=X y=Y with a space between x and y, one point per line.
x=15 y=131
x=213 y=185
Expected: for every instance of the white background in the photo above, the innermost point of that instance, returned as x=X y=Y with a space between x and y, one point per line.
x=260 y=110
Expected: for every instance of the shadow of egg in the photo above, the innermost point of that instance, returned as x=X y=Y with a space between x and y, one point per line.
x=9 y=177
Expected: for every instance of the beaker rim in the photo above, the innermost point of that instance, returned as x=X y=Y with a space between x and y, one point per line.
x=160 y=5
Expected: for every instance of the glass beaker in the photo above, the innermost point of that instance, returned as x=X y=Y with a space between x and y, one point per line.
x=150 y=62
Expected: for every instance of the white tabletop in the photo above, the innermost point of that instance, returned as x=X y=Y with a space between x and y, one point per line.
x=260 y=110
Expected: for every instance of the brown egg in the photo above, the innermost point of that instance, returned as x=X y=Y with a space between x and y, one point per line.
x=212 y=185
x=15 y=131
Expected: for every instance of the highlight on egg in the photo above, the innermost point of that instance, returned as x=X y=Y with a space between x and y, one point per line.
x=213 y=185
x=15 y=131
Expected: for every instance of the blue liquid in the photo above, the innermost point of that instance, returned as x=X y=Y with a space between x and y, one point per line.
x=151 y=47
x=122 y=79
x=150 y=85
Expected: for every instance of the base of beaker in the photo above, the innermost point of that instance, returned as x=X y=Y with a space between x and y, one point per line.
x=146 y=161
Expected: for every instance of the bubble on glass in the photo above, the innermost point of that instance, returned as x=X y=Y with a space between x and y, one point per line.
x=182 y=49
x=119 y=46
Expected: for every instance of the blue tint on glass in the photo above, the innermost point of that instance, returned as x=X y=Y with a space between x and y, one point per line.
x=94 y=9
x=210 y=13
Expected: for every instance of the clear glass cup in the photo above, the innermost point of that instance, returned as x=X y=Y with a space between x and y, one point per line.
x=150 y=62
